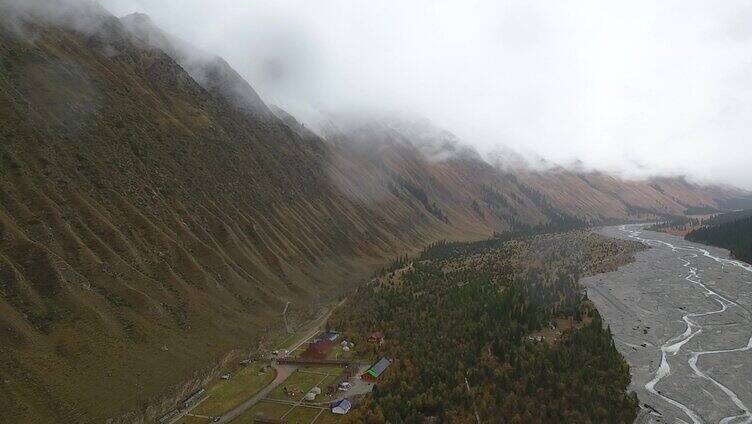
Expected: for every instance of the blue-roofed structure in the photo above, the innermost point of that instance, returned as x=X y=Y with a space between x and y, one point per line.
x=341 y=407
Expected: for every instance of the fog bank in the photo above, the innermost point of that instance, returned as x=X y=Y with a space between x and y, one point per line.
x=638 y=88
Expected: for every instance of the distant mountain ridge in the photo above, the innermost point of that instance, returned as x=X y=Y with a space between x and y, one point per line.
x=155 y=214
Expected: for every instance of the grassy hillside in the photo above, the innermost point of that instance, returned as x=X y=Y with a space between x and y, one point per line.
x=156 y=216
x=597 y=196
x=149 y=225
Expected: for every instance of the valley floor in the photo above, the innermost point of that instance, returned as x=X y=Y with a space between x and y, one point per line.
x=680 y=315
x=492 y=331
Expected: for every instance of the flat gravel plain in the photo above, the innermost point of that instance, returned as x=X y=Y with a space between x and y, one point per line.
x=680 y=315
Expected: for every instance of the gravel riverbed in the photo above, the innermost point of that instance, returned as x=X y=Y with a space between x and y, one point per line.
x=680 y=315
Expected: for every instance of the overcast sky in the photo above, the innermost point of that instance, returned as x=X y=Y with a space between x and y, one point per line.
x=637 y=87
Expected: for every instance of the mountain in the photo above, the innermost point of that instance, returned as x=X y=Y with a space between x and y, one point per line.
x=598 y=196
x=212 y=72
x=156 y=216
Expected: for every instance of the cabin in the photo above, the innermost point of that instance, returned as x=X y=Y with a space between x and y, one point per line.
x=318 y=350
x=341 y=407
x=376 y=370
x=376 y=337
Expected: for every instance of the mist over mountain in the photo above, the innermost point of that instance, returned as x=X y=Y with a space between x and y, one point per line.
x=639 y=89
x=157 y=213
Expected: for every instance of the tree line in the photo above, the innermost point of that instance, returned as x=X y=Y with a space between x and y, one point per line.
x=735 y=236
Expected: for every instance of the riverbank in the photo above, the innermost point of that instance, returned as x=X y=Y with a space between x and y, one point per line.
x=680 y=315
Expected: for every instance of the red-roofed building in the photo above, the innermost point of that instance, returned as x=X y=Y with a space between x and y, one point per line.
x=318 y=350
x=376 y=337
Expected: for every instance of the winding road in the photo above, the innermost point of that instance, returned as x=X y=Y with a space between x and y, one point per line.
x=283 y=371
x=680 y=315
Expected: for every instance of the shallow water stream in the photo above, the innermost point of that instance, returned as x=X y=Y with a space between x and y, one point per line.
x=680 y=315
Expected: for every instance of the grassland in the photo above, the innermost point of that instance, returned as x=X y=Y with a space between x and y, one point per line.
x=293 y=414
x=305 y=381
x=264 y=409
x=224 y=395
x=337 y=352
x=296 y=410
x=192 y=420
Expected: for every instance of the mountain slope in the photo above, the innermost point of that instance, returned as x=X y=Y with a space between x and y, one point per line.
x=212 y=72
x=155 y=214
x=597 y=196
x=150 y=225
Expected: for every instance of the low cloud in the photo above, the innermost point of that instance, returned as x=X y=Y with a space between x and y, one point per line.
x=639 y=88
x=80 y=15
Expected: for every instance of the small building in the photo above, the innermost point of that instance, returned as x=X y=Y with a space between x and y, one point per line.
x=376 y=370
x=376 y=337
x=341 y=407
x=326 y=335
x=193 y=398
x=318 y=350
x=169 y=416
